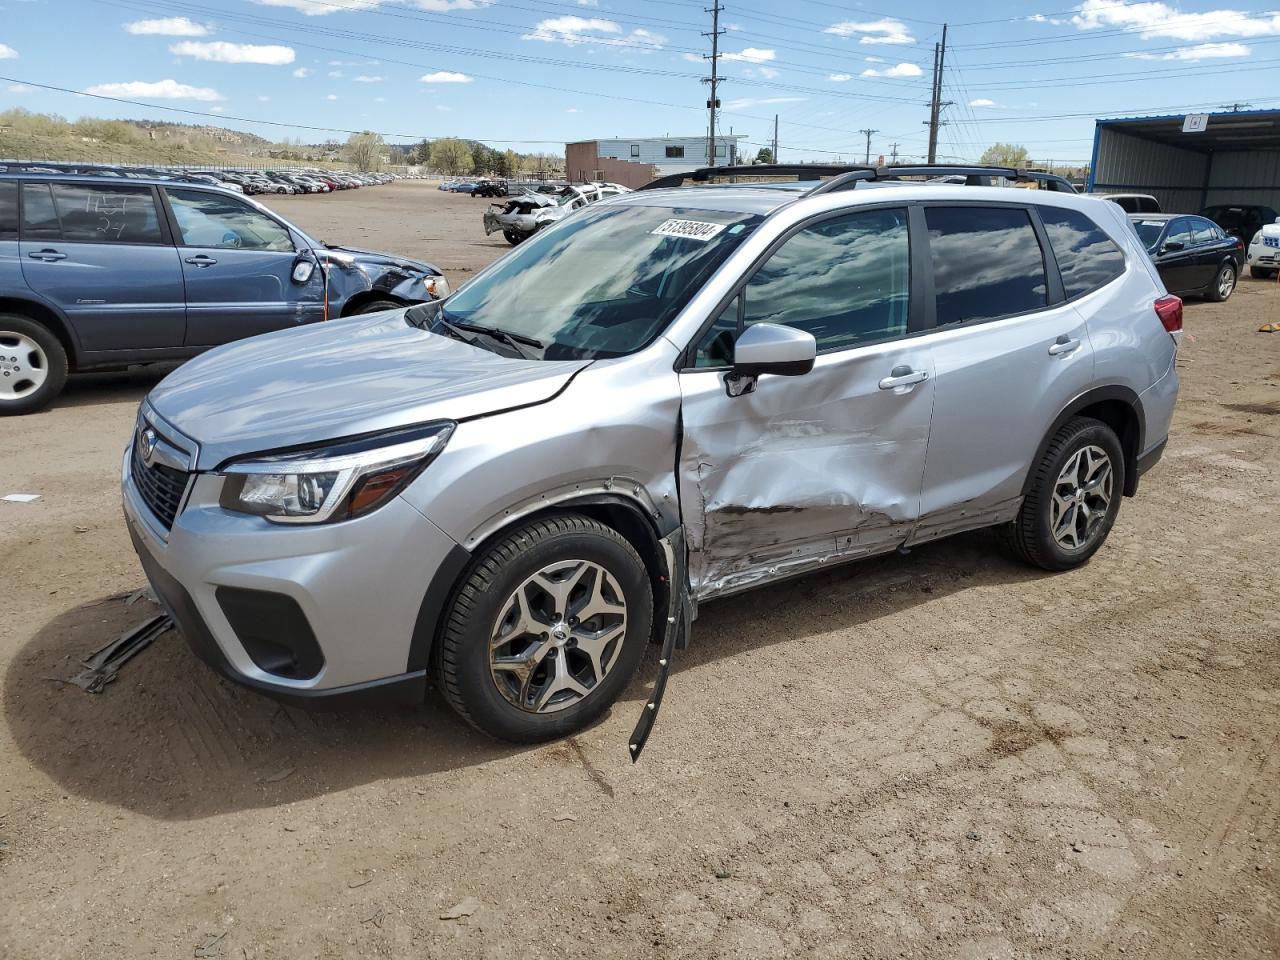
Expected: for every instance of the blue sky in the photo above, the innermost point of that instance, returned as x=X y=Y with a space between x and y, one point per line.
x=532 y=74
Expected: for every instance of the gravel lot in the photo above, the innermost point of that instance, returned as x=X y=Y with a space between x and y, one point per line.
x=939 y=755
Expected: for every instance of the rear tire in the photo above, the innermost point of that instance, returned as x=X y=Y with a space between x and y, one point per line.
x=513 y=238
x=1259 y=273
x=1223 y=284
x=1075 y=495
x=546 y=630
x=33 y=365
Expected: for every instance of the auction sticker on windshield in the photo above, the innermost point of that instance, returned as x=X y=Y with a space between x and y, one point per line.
x=691 y=229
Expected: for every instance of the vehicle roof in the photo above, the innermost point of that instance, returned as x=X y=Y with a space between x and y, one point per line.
x=764 y=198
x=113 y=181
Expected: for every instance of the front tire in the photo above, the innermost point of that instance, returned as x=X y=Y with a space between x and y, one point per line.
x=546 y=630
x=378 y=306
x=1260 y=273
x=1223 y=284
x=513 y=238
x=33 y=365
x=1074 y=497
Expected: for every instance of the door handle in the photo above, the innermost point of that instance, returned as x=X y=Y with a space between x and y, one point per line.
x=903 y=376
x=200 y=260
x=48 y=256
x=1063 y=346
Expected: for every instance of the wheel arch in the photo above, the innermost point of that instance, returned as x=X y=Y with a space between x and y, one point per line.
x=357 y=301
x=623 y=513
x=46 y=316
x=1118 y=407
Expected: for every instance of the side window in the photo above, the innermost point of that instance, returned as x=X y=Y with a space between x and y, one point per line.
x=987 y=263
x=8 y=210
x=94 y=214
x=209 y=220
x=1148 y=205
x=1179 y=231
x=1202 y=231
x=1087 y=257
x=39 y=218
x=845 y=280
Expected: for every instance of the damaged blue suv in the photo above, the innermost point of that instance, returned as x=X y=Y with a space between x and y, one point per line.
x=96 y=273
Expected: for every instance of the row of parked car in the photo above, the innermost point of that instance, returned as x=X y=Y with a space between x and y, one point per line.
x=252 y=182
x=1205 y=254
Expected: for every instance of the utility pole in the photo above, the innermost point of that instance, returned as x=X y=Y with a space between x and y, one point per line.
x=713 y=103
x=894 y=148
x=868 y=133
x=936 y=104
x=774 y=154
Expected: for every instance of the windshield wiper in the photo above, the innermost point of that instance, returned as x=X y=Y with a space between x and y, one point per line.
x=516 y=341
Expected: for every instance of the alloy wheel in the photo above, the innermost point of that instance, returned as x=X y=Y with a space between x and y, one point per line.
x=557 y=636
x=23 y=366
x=1081 y=497
x=1226 y=282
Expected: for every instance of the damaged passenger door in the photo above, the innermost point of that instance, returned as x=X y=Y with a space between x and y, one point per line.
x=782 y=474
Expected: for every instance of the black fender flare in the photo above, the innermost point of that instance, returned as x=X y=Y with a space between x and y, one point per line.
x=1132 y=450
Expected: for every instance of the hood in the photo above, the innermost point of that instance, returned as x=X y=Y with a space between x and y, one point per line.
x=1271 y=229
x=338 y=379
x=347 y=256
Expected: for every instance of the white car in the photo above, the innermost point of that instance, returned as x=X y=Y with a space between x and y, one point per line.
x=1264 y=251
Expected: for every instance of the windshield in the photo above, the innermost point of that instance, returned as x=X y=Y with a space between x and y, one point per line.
x=1149 y=231
x=605 y=281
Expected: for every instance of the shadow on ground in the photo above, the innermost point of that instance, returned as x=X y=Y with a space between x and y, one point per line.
x=173 y=740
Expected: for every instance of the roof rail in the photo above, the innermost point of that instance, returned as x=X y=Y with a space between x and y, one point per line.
x=975 y=174
x=801 y=171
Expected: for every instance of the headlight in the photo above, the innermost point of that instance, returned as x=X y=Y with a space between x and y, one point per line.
x=437 y=287
x=334 y=482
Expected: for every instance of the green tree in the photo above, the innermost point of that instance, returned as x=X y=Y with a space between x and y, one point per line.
x=1005 y=155
x=451 y=155
x=364 y=150
x=765 y=155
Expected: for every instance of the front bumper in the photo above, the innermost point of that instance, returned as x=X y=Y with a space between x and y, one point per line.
x=353 y=593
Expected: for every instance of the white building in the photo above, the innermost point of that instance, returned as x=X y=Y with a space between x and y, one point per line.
x=666 y=154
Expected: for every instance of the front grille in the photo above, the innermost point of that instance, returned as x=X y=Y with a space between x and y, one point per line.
x=161 y=487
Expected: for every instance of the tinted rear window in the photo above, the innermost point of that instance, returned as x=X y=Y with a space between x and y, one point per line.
x=1087 y=257
x=8 y=210
x=93 y=214
x=986 y=263
x=39 y=219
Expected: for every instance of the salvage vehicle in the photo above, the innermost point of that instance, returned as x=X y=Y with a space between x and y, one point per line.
x=97 y=273
x=1264 y=251
x=490 y=188
x=1195 y=257
x=523 y=216
x=674 y=396
x=1242 y=220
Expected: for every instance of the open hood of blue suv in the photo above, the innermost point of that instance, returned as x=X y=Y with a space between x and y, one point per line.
x=342 y=378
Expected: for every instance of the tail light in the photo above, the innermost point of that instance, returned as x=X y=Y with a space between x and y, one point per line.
x=1169 y=310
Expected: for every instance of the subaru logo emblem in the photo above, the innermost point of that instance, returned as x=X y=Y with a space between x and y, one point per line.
x=147 y=445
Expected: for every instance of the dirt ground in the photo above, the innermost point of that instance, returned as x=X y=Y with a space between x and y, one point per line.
x=937 y=755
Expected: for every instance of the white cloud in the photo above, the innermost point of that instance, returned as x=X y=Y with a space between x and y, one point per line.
x=217 y=109
x=840 y=77
x=1041 y=18
x=157 y=90
x=7 y=52
x=1201 y=51
x=769 y=73
x=873 y=31
x=982 y=102
x=901 y=70
x=262 y=99
x=219 y=51
x=751 y=55
x=444 y=76
x=573 y=109
x=588 y=3
x=747 y=103
x=1161 y=20
x=19 y=88
x=302 y=72
x=336 y=74
x=168 y=27
x=692 y=57
x=320 y=8
x=379 y=99
x=332 y=96
x=365 y=78
x=572 y=31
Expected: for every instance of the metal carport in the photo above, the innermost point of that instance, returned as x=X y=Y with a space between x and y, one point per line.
x=1235 y=159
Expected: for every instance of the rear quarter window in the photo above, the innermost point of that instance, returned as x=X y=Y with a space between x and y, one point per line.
x=1087 y=257
x=100 y=214
x=9 y=210
x=987 y=263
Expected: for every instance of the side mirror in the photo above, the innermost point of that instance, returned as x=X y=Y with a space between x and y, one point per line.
x=1173 y=246
x=771 y=348
x=304 y=265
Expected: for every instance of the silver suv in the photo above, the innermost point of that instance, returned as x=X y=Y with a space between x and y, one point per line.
x=670 y=396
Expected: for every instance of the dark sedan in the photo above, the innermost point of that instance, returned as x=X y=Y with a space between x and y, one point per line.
x=1193 y=255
